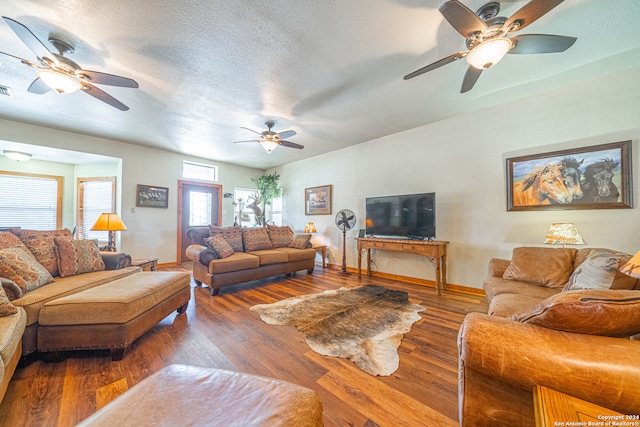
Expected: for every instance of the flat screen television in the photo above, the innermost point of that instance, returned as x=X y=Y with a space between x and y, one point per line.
x=411 y=215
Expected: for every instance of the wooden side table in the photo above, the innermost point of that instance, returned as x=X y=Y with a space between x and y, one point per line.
x=553 y=408
x=322 y=250
x=147 y=264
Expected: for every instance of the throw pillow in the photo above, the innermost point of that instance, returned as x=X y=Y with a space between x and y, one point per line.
x=41 y=245
x=542 y=266
x=256 y=239
x=8 y=240
x=29 y=274
x=12 y=290
x=220 y=245
x=300 y=241
x=6 y=308
x=594 y=312
x=280 y=236
x=598 y=271
x=77 y=256
x=233 y=236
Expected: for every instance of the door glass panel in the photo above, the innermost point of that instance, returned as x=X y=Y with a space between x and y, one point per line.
x=199 y=208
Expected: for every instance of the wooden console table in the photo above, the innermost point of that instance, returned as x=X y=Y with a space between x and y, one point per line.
x=434 y=249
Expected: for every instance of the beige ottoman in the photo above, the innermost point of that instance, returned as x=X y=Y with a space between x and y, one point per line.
x=181 y=395
x=113 y=315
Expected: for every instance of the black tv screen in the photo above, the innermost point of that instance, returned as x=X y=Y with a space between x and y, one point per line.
x=410 y=215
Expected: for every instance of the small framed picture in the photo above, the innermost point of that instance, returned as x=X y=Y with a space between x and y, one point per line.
x=149 y=196
x=317 y=200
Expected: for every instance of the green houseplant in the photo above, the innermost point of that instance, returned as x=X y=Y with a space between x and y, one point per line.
x=268 y=189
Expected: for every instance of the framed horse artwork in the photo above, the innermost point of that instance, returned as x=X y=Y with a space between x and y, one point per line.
x=595 y=177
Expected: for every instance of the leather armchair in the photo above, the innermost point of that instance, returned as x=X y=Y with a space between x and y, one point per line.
x=500 y=361
x=115 y=260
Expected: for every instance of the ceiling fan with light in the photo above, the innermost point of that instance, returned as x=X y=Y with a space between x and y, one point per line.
x=488 y=36
x=57 y=72
x=270 y=140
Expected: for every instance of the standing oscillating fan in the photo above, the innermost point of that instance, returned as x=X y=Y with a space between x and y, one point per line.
x=345 y=220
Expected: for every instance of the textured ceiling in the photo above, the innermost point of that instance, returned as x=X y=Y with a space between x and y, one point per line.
x=330 y=70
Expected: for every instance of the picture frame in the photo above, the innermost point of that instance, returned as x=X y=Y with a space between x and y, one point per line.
x=567 y=179
x=317 y=200
x=151 y=196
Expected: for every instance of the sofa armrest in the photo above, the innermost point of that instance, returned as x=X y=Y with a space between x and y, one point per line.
x=497 y=267
x=602 y=370
x=115 y=260
x=201 y=254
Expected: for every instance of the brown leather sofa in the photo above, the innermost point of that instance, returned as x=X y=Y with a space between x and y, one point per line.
x=541 y=331
x=244 y=264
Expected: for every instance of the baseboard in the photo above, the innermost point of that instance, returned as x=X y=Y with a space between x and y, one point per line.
x=415 y=280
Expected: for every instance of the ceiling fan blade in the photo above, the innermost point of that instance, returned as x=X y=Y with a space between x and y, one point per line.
x=18 y=58
x=541 y=43
x=251 y=130
x=30 y=40
x=38 y=86
x=248 y=140
x=291 y=145
x=470 y=79
x=437 y=64
x=103 y=96
x=530 y=12
x=463 y=19
x=286 y=134
x=109 y=79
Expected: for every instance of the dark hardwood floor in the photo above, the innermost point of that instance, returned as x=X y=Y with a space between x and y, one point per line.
x=221 y=332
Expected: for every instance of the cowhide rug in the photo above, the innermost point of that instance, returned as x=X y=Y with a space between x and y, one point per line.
x=364 y=324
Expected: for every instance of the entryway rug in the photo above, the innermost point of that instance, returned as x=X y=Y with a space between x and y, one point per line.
x=364 y=324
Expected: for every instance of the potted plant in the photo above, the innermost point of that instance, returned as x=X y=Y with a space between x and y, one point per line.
x=268 y=189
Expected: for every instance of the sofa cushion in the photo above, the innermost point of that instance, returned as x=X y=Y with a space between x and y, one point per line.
x=506 y=305
x=494 y=286
x=270 y=256
x=6 y=308
x=256 y=239
x=301 y=241
x=77 y=256
x=280 y=236
x=12 y=290
x=42 y=246
x=598 y=271
x=218 y=243
x=544 y=266
x=29 y=273
x=233 y=236
x=594 y=312
x=298 y=254
x=237 y=261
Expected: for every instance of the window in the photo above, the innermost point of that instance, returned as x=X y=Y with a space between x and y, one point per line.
x=276 y=211
x=95 y=196
x=30 y=201
x=191 y=170
x=200 y=208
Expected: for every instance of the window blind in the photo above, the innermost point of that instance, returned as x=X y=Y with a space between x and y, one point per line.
x=96 y=198
x=28 y=202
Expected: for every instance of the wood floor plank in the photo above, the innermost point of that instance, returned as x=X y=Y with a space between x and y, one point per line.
x=222 y=332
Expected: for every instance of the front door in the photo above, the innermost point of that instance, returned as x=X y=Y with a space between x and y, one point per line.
x=200 y=205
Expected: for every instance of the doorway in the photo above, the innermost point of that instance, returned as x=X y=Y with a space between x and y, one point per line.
x=199 y=204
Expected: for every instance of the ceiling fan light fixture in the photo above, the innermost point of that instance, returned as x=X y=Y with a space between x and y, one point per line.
x=59 y=81
x=269 y=145
x=489 y=52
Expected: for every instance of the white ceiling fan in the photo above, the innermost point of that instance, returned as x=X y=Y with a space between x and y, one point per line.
x=270 y=140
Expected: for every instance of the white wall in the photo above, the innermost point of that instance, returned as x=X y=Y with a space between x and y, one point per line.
x=463 y=160
x=150 y=231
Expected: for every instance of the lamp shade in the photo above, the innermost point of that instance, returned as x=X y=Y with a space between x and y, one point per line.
x=632 y=267
x=489 y=52
x=310 y=228
x=59 y=81
x=108 y=222
x=269 y=145
x=563 y=234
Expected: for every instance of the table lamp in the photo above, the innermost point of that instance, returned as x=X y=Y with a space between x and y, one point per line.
x=310 y=228
x=110 y=222
x=632 y=267
x=563 y=234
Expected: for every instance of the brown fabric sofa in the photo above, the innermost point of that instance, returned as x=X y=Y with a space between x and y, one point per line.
x=547 y=324
x=252 y=257
x=18 y=332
